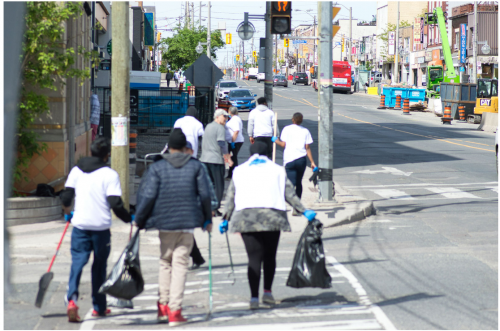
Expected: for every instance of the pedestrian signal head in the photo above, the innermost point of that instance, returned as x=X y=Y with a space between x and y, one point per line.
x=281 y=17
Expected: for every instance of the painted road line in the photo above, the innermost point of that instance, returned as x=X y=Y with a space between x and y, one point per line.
x=363 y=296
x=494 y=189
x=422 y=184
x=393 y=194
x=368 y=324
x=452 y=193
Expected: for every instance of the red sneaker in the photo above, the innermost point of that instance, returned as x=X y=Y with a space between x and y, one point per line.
x=163 y=312
x=175 y=318
x=73 y=312
x=96 y=314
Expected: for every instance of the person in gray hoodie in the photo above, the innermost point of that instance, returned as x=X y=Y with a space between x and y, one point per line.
x=261 y=125
x=174 y=197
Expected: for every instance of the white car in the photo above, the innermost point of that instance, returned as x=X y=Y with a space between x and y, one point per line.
x=224 y=87
x=261 y=76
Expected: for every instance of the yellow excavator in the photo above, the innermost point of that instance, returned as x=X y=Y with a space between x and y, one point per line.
x=486 y=99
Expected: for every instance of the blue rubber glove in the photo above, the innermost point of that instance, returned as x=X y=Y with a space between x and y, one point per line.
x=223 y=227
x=315 y=169
x=68 y=217
x=310 y=214
x=233 y=145
x=206 y=224
x=133 y=217
x=273 y=139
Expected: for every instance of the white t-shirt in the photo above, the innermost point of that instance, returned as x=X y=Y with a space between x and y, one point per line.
x=92 y=210
x=296 y=138
x=192 y=128
x=234 y=124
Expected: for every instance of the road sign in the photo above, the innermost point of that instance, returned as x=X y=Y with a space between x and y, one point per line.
x=207 y=73
x=108 y=47
x=338 y=43
x=299 y=41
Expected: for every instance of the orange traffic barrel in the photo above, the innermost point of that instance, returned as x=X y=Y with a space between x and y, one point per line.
x=132 y=146
x=406 y=107
x=461 y=113
x=447 y=115
x=398 y=103
x=382 y=102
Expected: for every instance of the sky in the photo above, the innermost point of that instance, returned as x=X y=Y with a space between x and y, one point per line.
x=232 y=13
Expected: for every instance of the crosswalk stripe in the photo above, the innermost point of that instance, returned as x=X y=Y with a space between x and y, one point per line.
x=366 y=324
x=452 y=193
x=393 y=194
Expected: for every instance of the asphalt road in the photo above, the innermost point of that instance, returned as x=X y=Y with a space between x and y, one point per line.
x=428 y=259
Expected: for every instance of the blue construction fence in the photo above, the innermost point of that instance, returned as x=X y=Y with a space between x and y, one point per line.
x=161 y=108
x=415 y=95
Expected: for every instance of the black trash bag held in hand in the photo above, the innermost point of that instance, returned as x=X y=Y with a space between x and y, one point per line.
x=125 y=280
x=309 y=268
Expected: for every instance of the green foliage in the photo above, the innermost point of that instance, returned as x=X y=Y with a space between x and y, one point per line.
x=181 y=47
x=45 y=63
x=384 y=36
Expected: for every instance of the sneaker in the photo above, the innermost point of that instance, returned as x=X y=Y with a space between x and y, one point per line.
x=254 y=303
x=195 y=266
x=163 y=312
x=73 y=312
x=175 y=318
x=96 y=314
x=268 y=298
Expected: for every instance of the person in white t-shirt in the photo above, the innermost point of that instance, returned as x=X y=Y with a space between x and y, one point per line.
x=234 y=138
x=296 y=141
x=191 y=127
x=95 y=187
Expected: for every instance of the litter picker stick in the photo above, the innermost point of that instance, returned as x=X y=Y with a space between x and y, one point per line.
x=47 y=277
x=275 y=130
x=230 y=258
x=210 y=297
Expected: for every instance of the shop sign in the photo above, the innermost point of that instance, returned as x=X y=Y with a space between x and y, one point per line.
x=428 y=56
x=463 y=43
x=421 y=30
x=421 y=60
x=392 y=37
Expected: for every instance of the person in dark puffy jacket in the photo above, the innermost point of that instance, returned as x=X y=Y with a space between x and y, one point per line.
x=174 y=197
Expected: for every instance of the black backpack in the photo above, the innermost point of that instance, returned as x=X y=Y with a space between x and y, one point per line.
x=45 y=190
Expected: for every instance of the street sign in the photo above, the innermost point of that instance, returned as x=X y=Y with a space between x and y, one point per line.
x=300 y=42
x=338 y=43
x=108 y=47
x=463 y=43
x=207 y=73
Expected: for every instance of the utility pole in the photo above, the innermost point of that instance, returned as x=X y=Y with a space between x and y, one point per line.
x=315 y=41
x=243 y=57
x=350 y=34
x=120 y=98
x=276 y=51
x=396 y=60
x=192 y=14
x=325 y=96
x=186 y=16
x=474 y=47
x=199 y=23
x=209 y=53
x=268 y=83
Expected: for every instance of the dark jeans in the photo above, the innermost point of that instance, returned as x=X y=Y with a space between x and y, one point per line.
x=83 y=242
x=216 y=173
x=261 y=249
x=168 y=82
x=234 y=157
x=196 y=255
x=269 y=143
x=295 y=171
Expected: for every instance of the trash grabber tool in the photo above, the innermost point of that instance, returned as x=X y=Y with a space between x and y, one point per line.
x=43 y=285
x=121 y=303
x=275 y=131
x=210 y=296
x=230 y=259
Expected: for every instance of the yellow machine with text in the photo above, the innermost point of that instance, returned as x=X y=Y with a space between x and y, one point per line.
x=486 y=99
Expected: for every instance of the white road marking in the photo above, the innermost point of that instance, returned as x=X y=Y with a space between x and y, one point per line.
x=393 y=194
x=368 y=324
x=387 y=170
x=494 y=189
x=452 y=193
x=424 y=184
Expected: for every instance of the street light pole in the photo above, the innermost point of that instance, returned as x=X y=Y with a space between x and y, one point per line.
x=209 y=53
x=268 y=83
x=474 y=47
x=396 y=45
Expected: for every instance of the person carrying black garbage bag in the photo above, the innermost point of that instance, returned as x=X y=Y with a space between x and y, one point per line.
x=260 y=217
x=261 y=125
x=174 y=197
x=96 y=189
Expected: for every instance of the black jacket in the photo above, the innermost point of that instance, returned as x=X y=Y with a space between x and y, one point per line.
x=88 y=165
x=174 y=194
x=169 y=76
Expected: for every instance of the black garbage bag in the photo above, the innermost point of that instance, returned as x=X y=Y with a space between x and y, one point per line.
x=309 y=268
x=125 y=280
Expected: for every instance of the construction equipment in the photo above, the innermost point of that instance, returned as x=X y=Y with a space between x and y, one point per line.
x=486 y=100
x=436 y=74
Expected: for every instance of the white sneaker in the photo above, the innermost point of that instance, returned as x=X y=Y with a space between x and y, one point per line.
x=268 y=298
x=254 y=303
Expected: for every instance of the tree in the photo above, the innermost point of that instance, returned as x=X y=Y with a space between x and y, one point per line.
x=384 y=36
x=45 y=64
x=181 y=51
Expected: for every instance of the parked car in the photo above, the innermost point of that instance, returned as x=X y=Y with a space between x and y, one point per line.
x=242 y=99
x=280 y=80
x=252 y=73
x=376 y=77
x=300 y=77
x=261 y=76
x=224 y=87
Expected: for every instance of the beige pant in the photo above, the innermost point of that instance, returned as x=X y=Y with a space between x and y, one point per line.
x=175 y=248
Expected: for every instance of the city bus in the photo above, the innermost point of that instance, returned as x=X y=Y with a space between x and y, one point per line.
x=341 y=79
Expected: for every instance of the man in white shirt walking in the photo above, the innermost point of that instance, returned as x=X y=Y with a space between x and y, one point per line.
x=191 y=127
x=176 y=78
x=261 y=125
x=234 y=138
x=296 y=141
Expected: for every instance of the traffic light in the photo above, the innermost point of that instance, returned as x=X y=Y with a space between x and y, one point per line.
x=287 y=42
x=254 y=53
x=281 y=17
x=158 y=37
x=237 y=57
x=228 y=39
x=343 y=44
